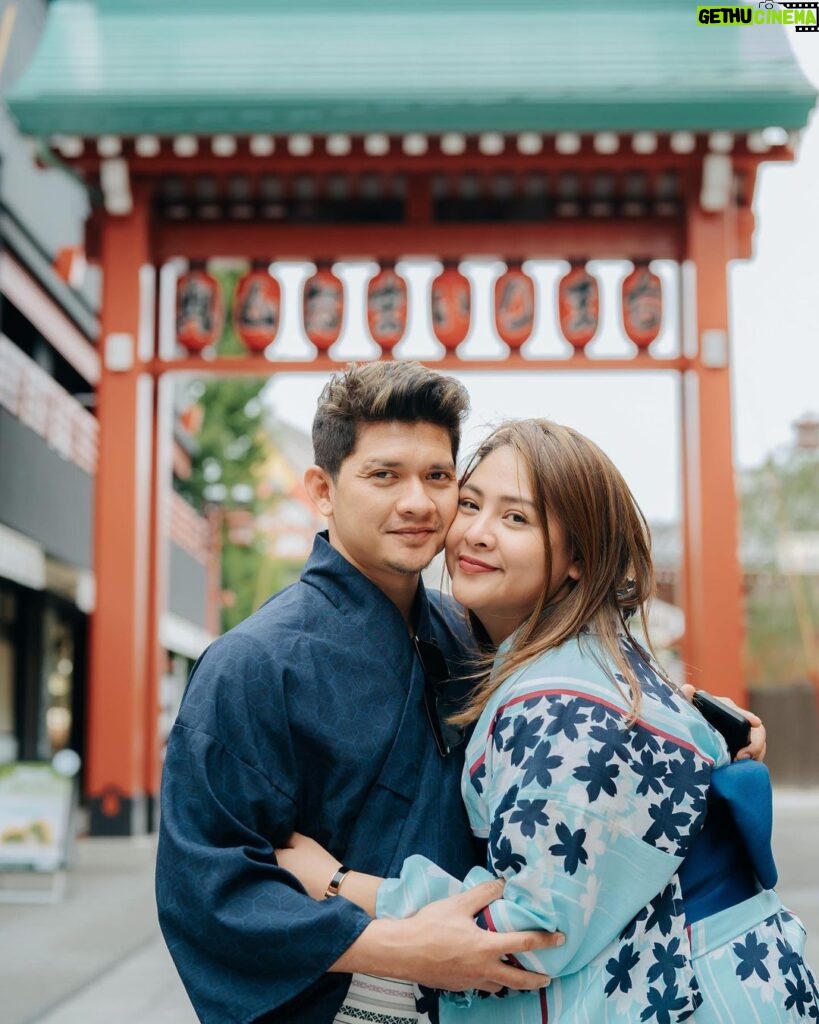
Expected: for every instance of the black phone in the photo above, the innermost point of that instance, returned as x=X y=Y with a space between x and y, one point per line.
x=732 y=726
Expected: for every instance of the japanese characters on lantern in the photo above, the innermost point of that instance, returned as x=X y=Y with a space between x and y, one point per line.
x=578 y=301
x=199 y=312
x=642 y=299
x=387 y=307
x=257 y=309
x=451 y=307
x=323 y=308
x=514 y=306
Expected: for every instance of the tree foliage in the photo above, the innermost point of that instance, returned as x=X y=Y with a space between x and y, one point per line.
x=230 y=447
x=778 y=499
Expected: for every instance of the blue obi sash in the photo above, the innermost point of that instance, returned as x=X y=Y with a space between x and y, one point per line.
x=731 y=859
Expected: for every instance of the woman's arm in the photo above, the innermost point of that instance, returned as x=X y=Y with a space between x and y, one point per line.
x=315 y=867
x=588 y=819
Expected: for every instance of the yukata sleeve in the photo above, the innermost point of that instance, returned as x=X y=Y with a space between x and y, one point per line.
x=581 y=825
x=245 y=937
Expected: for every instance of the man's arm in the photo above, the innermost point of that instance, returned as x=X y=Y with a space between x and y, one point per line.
x=245 y=937
x=440 y=947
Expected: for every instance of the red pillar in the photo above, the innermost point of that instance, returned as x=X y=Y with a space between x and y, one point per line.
x=714 y=621
x=160 y=516
x=119 y=660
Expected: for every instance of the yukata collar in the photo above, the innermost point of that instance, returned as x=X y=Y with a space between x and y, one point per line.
x=503 y=649
x=352 y=592
x=505 y=645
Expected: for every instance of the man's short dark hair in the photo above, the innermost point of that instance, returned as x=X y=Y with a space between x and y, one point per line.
x=382 y=392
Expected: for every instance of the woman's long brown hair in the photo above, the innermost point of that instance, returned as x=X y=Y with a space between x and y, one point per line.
x=576 y=483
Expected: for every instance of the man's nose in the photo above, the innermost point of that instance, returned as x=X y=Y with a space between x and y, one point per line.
x=415 y=498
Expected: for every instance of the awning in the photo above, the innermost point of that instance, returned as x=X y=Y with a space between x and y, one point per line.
x=321 y=66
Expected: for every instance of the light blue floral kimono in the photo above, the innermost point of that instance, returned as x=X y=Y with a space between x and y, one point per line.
x=589 y=820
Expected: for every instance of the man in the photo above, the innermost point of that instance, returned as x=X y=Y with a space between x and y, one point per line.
x=319 y=714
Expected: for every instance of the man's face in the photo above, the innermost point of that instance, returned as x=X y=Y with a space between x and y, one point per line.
x=394 y=499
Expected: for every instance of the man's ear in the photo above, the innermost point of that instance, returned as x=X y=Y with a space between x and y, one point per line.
x=318 y=484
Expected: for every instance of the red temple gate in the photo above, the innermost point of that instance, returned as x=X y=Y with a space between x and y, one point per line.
x=635 y=183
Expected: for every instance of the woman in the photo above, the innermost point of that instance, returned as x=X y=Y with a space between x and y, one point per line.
x=608 y=804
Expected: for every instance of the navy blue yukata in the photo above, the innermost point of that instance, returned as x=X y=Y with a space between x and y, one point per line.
x=309 y=717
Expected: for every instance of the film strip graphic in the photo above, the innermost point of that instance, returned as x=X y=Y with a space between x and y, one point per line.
x=802 y=7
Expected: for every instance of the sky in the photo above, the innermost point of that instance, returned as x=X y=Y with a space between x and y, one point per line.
x=774 y=329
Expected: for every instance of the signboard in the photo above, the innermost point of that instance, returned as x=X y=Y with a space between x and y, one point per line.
x=35 y=814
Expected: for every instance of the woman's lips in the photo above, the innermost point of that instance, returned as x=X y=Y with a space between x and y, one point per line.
x=473 y=566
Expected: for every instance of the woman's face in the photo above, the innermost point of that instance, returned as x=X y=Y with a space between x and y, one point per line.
x=495 y=548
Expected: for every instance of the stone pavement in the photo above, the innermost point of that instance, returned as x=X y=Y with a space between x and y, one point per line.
x=97 y=957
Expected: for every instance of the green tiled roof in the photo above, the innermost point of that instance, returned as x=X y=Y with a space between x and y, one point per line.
x=239 y=66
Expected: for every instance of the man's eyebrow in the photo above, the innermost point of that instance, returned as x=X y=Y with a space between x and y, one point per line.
x=511 y=499
x=448 y=467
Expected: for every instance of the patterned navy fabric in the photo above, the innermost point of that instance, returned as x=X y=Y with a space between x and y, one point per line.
x=308 y=716
x=588 y=817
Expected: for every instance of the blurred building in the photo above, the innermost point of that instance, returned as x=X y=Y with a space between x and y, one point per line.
x=291 y=525
x=49 y=368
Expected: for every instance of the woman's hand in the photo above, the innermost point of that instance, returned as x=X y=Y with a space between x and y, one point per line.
x=758 y=745
x=309 y=862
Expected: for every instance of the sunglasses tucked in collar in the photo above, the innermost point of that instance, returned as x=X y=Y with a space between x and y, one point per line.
x=439 y=701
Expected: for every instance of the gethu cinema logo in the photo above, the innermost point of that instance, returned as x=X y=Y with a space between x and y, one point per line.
x=798 y=14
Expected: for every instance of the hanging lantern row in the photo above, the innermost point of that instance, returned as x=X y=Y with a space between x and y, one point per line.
x=257 y=307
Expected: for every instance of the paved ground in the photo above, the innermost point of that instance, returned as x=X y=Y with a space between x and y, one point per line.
x=97 y=958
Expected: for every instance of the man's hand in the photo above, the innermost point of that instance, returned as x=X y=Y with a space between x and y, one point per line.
x=758 y=746
x=442 y=947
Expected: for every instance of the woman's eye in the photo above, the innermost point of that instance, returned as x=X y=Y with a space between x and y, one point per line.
x=516 y=517
x=467 y=503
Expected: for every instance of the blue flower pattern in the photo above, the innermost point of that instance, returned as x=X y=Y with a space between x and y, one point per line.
x=752 y=955
x=570 y=847
x=566 y=790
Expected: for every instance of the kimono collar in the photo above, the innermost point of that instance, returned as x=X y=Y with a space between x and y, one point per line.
x=502 y=650
x=349 y=589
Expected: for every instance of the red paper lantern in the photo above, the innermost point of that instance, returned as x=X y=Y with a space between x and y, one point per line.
x=323 y=308
x=387 y=307
x=257 y=309
x=199 y=311
x=642 y=305
x=451 y=307
x=514 y=306
x=578 y=300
